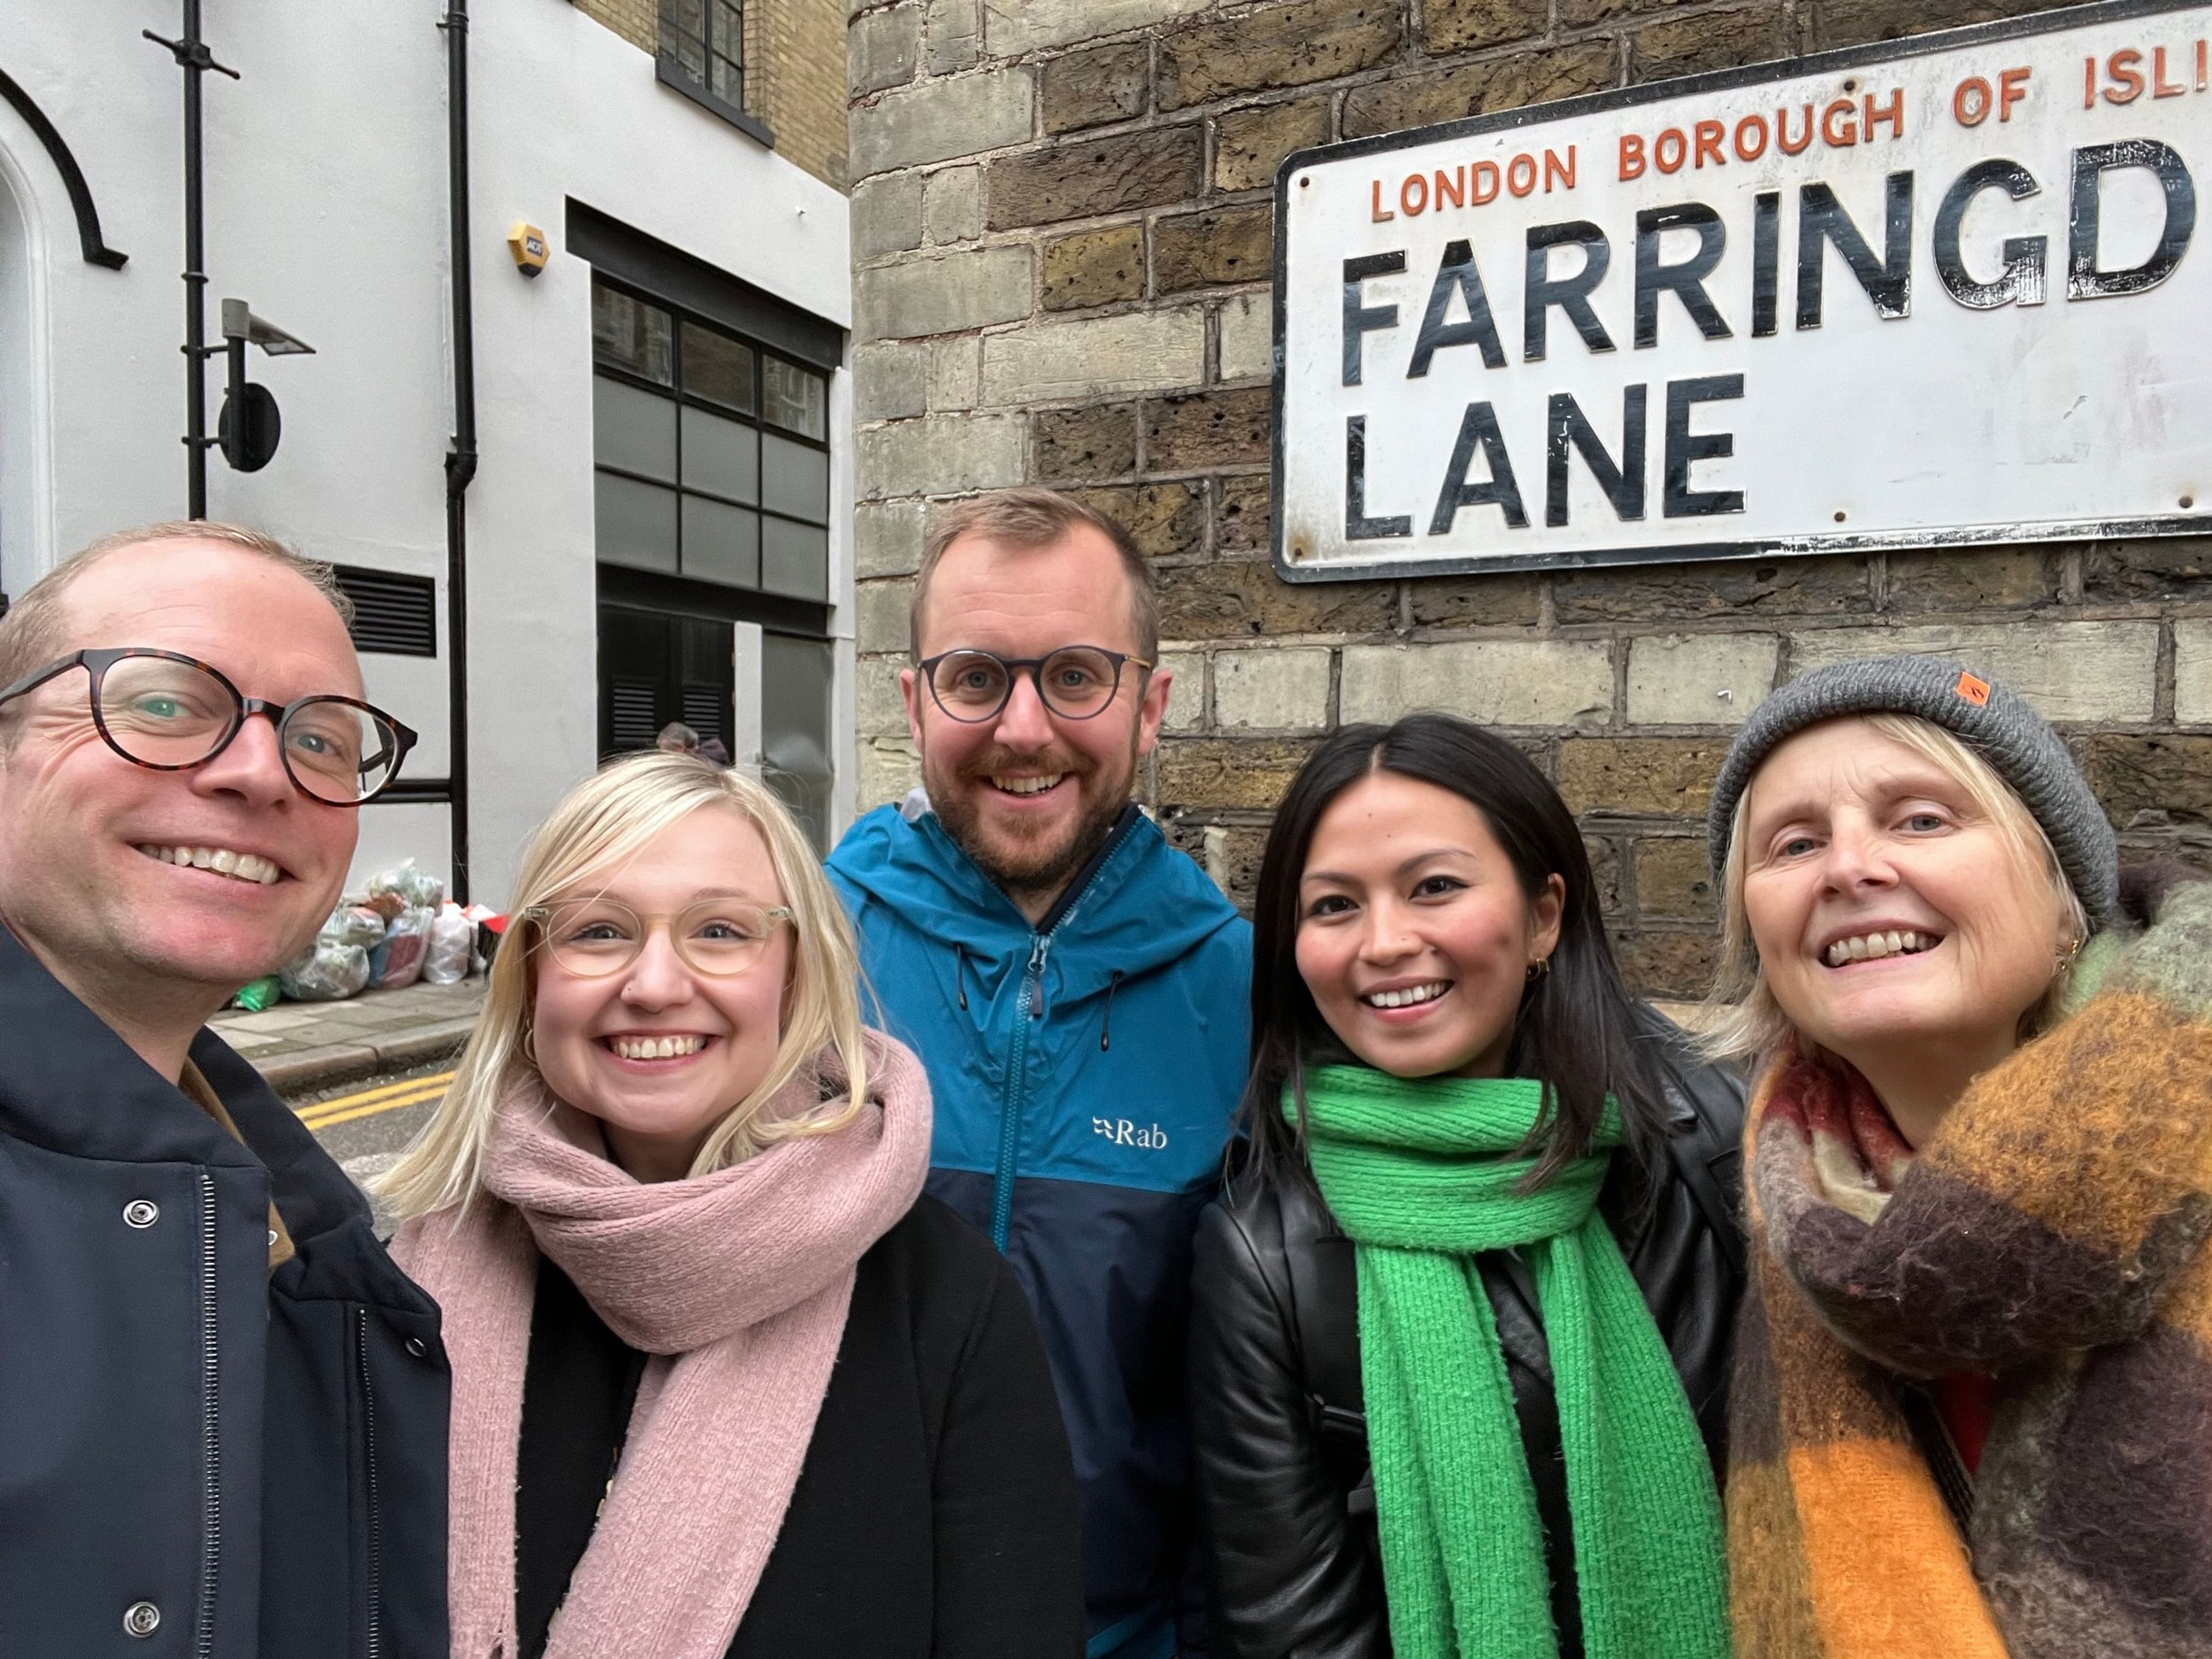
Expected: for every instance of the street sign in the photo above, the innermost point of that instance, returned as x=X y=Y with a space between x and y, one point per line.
x=1935 y=291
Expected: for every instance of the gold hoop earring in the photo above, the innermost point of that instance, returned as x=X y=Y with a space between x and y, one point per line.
x=530 y=1043
x=1538 y=968
x=2070 y=955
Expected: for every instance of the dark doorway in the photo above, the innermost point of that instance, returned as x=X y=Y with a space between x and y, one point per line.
x=656 y=666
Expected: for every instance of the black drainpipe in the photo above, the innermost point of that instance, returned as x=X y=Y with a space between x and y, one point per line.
x=194 y=56
x=461 y=457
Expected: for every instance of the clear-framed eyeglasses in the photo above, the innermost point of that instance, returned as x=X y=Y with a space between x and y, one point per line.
x=718 y=937
x=170 y=713
x=1076 y=682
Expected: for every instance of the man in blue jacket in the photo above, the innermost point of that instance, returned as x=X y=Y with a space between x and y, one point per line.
x=1078 y=991
x=222 y=1408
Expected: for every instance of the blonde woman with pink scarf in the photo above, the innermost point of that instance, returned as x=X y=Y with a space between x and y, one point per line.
x=725 y=1382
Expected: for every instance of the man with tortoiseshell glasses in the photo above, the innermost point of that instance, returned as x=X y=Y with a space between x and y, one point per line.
x=222 y=1408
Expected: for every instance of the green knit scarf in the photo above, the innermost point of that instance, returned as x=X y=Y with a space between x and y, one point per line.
x=1422 y=1174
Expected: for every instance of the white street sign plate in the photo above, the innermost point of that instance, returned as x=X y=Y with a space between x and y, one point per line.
x=1941 y=290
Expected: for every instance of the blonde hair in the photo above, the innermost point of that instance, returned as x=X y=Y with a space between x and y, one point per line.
x=1741 y=1019
x=602 y=821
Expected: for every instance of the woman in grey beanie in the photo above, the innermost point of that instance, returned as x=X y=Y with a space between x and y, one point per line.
x=1974 y=1370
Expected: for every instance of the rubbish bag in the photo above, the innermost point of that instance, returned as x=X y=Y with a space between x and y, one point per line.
x=417 y=890
x=451 y=936
x=354 y=924
x=334 y=967
x=400 y=957
x=260 y=994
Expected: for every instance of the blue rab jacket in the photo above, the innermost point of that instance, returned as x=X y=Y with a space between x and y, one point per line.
x=1084 y=1073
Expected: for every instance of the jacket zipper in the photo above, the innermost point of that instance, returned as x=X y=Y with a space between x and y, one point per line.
x=1030 y=1006
x=211 y=1427
x=374 y=1642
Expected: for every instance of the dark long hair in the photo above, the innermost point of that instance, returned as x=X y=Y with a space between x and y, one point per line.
x=1578 y=1030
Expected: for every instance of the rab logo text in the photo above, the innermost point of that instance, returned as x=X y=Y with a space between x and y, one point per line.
x=1123 y=1133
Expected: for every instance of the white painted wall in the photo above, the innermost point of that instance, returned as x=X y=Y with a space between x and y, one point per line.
x=326 y=208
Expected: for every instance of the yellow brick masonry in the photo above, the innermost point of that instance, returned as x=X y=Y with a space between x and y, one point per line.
x=794 y=71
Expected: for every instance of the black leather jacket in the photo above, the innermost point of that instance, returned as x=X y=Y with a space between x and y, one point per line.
x=1279 y=1432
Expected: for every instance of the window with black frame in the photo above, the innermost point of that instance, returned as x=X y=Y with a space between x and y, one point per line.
x=702 y=54
x=713 y=455
x=712 y=464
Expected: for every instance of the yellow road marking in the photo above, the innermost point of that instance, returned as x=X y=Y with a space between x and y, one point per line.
x=404 y=1087
x=369 y=1102
x=370 y=1110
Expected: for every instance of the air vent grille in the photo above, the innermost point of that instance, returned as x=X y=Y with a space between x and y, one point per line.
x=392 y=613
x=634 y=727
x=703 y=710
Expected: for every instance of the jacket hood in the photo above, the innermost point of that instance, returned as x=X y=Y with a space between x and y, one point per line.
x=1144 y=906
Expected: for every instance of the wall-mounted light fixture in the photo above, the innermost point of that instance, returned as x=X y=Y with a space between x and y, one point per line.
x=248 y=427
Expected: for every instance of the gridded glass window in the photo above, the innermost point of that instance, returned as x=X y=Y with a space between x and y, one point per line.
x=628 y=334
x=692 y=481
x=705 y=40
x=795 y=398
x=717 y=366
x=634 y=523
x=721 y=457
x=795 y=676
x=633 y=431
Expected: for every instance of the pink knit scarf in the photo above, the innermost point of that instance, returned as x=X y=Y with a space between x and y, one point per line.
x=738 y=1282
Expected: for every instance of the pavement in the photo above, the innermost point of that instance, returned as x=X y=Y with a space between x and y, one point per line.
x=299 y=1047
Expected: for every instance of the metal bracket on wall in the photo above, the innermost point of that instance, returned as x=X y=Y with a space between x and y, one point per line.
x=96 y=250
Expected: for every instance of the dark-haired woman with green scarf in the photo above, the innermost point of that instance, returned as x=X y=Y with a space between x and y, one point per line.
x=1462 y=1318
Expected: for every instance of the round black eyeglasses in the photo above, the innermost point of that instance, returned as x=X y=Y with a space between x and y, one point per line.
x=170 y=713
x=1076 y=682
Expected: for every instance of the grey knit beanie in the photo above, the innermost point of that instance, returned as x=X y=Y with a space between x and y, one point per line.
x=2000 y=727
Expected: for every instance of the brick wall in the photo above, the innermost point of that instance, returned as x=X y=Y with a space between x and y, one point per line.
x=637 y=21
x=794 y=71
x=1061 y=226
x=796 y=49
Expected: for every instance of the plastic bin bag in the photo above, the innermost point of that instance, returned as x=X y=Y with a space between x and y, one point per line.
x=451 y=936
x=417 y=889
x=260 y=994
x=402 y=952
x=333 y=967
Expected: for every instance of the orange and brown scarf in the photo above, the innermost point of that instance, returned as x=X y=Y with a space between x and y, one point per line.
x=2051 y=1234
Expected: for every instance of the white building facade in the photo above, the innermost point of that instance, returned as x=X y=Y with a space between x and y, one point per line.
x=658 y=525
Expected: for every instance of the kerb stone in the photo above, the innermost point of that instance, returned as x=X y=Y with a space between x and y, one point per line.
x=1136 y=351
x=1494 y=682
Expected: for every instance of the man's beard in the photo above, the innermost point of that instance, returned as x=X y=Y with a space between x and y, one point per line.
x=1041 y=863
